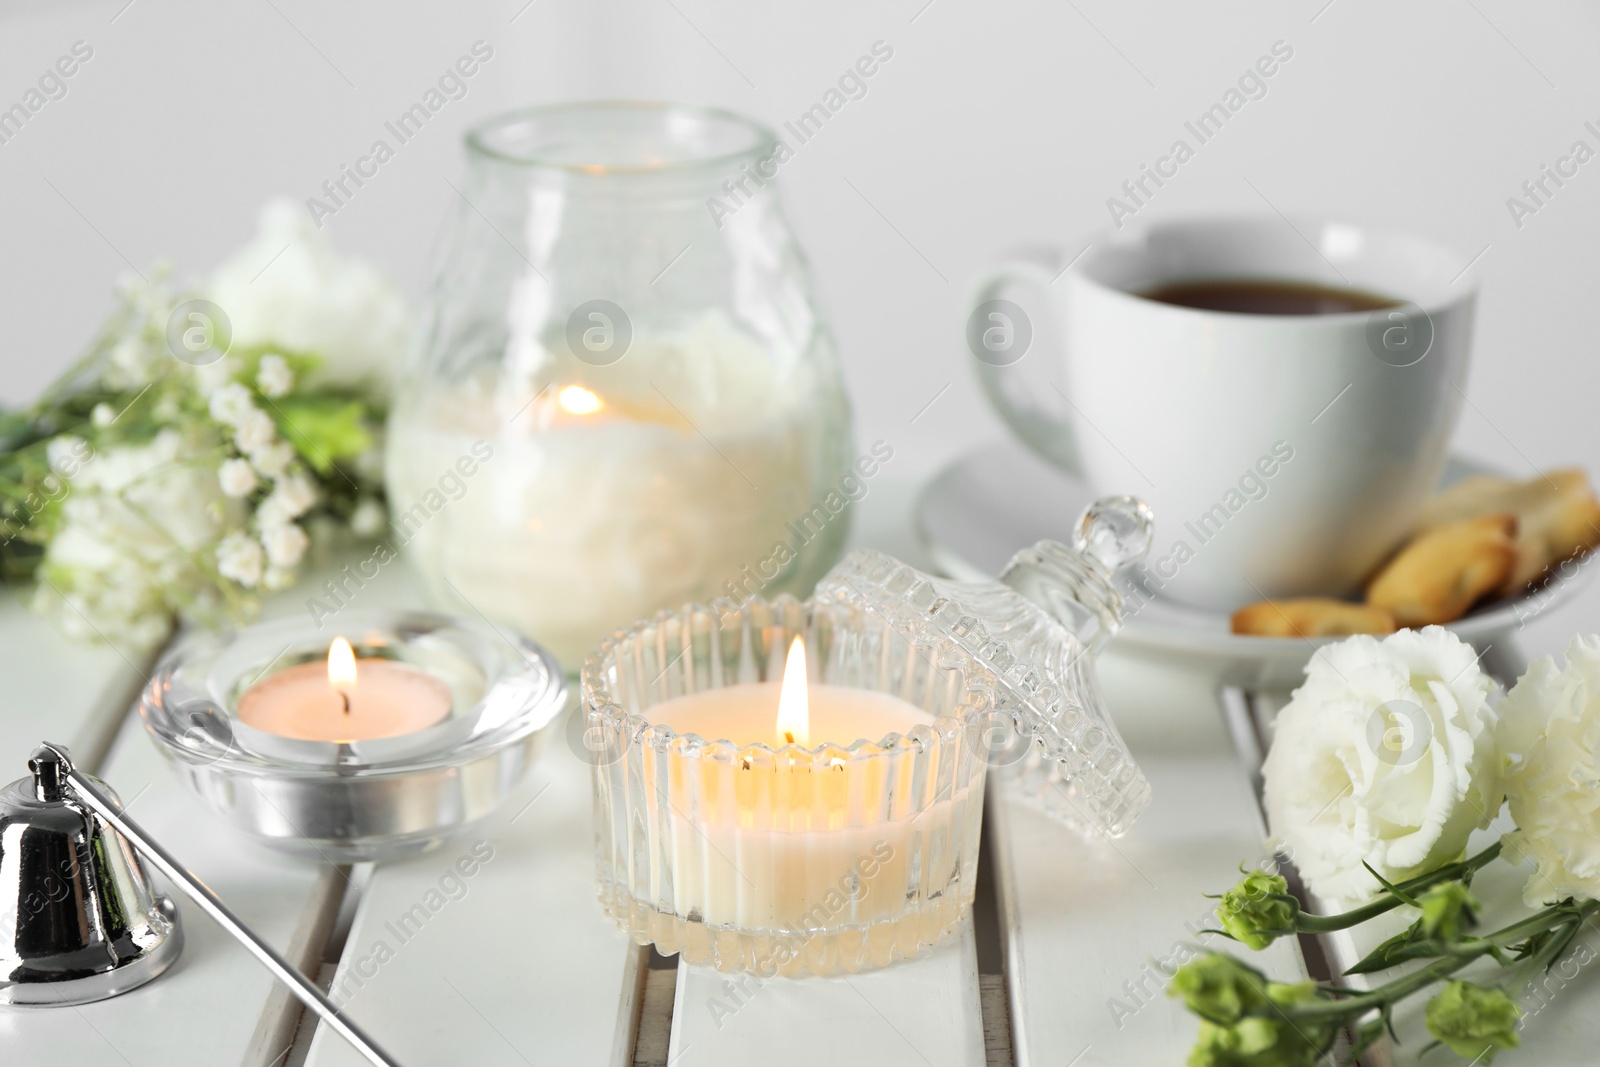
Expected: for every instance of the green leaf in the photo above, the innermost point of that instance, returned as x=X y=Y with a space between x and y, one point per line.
x=1409 y=944
x=323 y=429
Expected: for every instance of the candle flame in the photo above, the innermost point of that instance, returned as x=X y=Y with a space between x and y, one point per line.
x=794 y=712
x=341 y=664
x=577 y=400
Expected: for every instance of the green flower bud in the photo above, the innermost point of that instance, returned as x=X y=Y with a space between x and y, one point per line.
x=1448 y=910
x=1245 y=1018
x=1258 y=909
x=1219 y=988
x=1475 y=1021
x=1259 y=1041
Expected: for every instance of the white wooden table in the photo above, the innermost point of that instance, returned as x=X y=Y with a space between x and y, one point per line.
x=1061 y=966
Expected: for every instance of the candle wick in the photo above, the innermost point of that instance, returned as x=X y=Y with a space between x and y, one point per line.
x=789 y=736
x=346 y=698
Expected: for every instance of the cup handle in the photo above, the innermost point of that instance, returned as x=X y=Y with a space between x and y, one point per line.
x=1010 y=392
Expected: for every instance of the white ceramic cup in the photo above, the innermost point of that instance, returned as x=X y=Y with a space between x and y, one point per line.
x=1284 y=455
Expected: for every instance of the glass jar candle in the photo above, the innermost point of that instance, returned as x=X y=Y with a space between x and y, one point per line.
x=732 y=836
x=633 y=364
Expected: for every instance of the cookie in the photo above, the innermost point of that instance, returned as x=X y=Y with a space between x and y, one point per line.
x=1445 y=570
x=1311 y=617
x=1558 y=517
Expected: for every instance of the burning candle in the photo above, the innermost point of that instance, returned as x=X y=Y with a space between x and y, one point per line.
x=348 y=700
x=804 y=838
x=616 y=491
x=791 y=712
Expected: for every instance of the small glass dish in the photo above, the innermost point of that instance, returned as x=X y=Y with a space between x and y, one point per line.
x=838 y=857
x=352 y=801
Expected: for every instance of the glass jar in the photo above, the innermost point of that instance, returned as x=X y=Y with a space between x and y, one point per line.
x=626 y=399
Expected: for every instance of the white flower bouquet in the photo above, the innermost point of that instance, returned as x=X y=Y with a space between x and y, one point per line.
x=208 y=437
x=1382 y=765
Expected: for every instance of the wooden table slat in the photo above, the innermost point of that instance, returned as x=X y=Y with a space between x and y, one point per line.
x=922 y=1013
x=510 y=963
x=1092 y=926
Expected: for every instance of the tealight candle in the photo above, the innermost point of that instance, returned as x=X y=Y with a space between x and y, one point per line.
x=348 y=700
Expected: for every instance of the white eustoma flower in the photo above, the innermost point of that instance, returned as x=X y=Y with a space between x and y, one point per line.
x=1386 y=755
x=273 y=461
x=291 y=498
x=285 y=544
x=274 y=376
x=230 y=403
x=237 y=477
x=255 y=431
x=1550 y=731
x=289 y=289
x=240 y=558
x=103 y=415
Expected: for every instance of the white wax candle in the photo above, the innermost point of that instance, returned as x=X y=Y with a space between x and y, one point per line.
x=387 y=700
x=690 y=469
x=789 y=843
x=747 y=714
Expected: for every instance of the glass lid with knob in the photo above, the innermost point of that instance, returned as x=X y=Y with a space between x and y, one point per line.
x=1029 y=639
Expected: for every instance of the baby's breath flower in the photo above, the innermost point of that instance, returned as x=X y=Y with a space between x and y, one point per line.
x=66 y=454
x=237 y=477
x=210 y=377
x=130 y=360
x=230 y=403
x=285 y=544
x=274 y=376
x=239 y=557
x=255 y=431
x=273 y=461
x=277 y=578
x=368 y=519
x=291 y=498
x=201 y=506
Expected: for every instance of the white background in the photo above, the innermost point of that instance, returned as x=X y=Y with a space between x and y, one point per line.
x=995 y=124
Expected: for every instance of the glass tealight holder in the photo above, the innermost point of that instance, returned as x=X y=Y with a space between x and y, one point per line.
x=790 y=859
x=355 y=800
x=723 y=836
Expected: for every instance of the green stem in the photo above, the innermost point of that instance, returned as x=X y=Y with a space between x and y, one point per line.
x=1305 y=922
x=1460 y=954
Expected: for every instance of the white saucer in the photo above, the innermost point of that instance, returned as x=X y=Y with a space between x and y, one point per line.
x=1000 y=497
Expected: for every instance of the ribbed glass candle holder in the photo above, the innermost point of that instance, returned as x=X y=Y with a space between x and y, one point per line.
x=838 y=856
